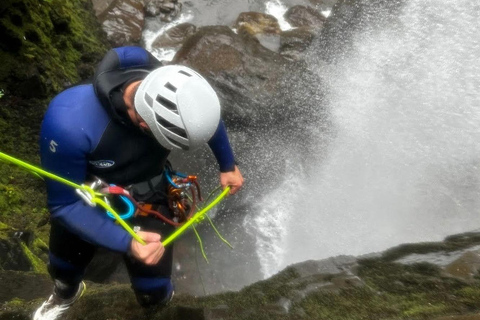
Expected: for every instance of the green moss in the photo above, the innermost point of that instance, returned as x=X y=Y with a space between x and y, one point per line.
x=48 y=39
x=38 y=265
x=14 y=303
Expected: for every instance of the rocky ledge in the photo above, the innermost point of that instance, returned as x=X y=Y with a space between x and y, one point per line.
x=435 y=280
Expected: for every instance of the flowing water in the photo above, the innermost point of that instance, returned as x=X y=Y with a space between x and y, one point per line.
x=402 y=162
x=404 y=165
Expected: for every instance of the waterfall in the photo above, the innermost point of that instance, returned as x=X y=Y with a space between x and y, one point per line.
x=404 y=163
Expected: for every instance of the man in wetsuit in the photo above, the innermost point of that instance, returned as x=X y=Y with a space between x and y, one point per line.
x=121 y=129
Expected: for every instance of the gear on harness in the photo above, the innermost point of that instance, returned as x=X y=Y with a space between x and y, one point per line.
x=97 y=194
x=182 y=195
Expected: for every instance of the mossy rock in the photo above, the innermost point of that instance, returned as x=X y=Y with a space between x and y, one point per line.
x=45 y=45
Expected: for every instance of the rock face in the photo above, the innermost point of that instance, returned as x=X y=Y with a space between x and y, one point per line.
x=257 y=87
x=407 y=282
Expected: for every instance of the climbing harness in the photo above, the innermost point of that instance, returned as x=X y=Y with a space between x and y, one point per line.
x=183 y=196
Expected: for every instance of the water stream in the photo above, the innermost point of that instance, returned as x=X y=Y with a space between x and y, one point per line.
x=404 y=163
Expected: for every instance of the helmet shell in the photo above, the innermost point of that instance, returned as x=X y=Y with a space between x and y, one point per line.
x=179 y=106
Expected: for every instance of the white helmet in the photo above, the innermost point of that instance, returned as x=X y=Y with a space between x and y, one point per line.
x=179 y=106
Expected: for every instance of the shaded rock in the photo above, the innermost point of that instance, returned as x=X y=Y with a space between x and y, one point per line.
x=294 y=42
x=254 y=23
x=24 y=285
x=301 y=16
x=21 y=251
x=175 y=36
x=12 y=256
x=123 y=22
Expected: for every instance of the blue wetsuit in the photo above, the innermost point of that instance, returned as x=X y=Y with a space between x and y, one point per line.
x=86 y=133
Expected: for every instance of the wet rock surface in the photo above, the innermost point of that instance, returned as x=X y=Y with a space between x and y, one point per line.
x=344 y=287
x=301 y=16
x=122 y=20
x=252 y=81
x=175 y=36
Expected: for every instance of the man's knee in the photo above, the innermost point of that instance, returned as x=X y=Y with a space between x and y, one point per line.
x=153 y=292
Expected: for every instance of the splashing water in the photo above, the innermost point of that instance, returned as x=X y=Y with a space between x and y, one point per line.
x=404 y=163
x=277 y=9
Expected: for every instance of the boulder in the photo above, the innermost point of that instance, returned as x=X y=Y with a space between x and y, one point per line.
x=255 y=22
x=294 y=42
x=175 y=36
x=123 y=21
x=257 y=87
x=301 y=16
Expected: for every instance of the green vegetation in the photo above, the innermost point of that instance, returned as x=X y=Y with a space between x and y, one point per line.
x=46 y=46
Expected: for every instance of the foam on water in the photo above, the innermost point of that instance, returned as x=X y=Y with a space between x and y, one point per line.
x=277 y=9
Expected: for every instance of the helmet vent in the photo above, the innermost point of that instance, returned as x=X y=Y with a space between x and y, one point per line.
x=171 y=127
x=167 y=104
x=178 y=144
x=169 y=86
x=185 y=73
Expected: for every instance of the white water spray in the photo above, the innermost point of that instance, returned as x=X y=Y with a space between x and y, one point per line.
x=404 y=165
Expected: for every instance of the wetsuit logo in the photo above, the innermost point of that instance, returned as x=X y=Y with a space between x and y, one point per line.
x=102 y=163
x=53 y=146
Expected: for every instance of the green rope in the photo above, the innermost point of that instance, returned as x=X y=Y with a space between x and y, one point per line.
x=96 y=200
x=197 y=216
x=200 y=243
x=210 y=220
x=94 y=195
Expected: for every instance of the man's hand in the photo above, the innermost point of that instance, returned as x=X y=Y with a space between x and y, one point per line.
x=150 y=253
x=233 y=179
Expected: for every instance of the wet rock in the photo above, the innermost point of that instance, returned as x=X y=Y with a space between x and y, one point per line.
x=331 y=266
x=175 y=36
x=466 y=266
x=102 y=6
x=294 y=42
x=254 y=84
x=123 y=22
x=254 y=23
x=301 y=16
x=167 y=10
